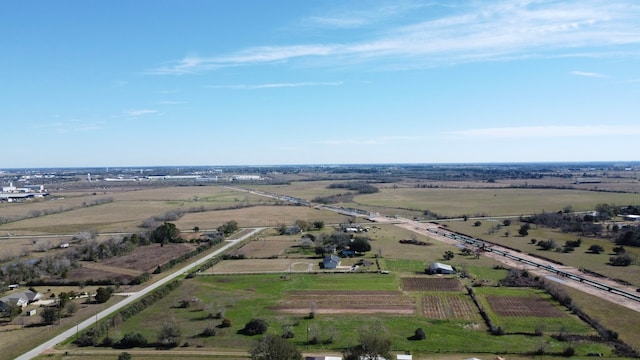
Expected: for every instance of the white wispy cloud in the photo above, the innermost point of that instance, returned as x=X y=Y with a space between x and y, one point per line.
x=274 y=85
x=479 y=31
x=588 y=74
x=553 y=131
x=363 y=15
x=141 y=112
x=66 y=126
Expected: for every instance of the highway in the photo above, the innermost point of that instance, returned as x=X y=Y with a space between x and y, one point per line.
x=130 y=299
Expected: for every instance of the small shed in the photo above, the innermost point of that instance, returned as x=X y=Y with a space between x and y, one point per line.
x=31 y=312
x=331 y=262
x=440 y=268
x=404 y=357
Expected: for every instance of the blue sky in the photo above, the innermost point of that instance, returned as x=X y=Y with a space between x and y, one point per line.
x=252 y=82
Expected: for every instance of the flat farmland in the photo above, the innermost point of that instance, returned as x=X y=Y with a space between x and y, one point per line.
x=344 y=304
x=126 y=267
x=147 y=258
x=253 y=266
x=521 y=306
x=127 y=210
x=307 y=190
x=449 y=307
x=265 y=247
x=491 y=202
x=430 y=284
x=347 y=302
x=258 y=216
x=386 y=239
x=532 y=309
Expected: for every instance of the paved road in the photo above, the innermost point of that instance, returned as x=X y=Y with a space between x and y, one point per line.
x=130 y=299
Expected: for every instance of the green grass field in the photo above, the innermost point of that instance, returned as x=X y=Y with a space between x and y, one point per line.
x=244 y=297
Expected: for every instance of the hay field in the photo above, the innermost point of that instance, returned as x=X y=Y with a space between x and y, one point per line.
x=490 y=202
x=258 y=216
x=302 y=189
x=253 y=266
x=127 y=211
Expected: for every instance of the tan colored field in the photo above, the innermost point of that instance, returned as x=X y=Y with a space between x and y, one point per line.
x=342 y=302
x=266 y=247
x=127 y=211
x=258 y=216
x=252 y=266
x=491 y=202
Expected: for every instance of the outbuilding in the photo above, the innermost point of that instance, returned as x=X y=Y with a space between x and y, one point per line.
x=440 y=268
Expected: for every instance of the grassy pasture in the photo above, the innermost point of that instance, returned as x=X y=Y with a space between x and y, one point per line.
x=623 y=320
x=528 y=324
x=252 y=296
x=490 y=202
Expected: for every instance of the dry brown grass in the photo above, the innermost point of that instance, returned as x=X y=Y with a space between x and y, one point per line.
x=257 y=216
x=251 y=266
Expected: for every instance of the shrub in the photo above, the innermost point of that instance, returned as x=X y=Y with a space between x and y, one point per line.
x=132 y=339
x=595 y=249
x=419 y=334
x=568 y=352
x=208 y=331
x=255 y=327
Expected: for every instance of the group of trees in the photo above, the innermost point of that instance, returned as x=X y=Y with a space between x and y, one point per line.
x=358 y=187
x=325 y=243
x=300 y=226
x=373 y=343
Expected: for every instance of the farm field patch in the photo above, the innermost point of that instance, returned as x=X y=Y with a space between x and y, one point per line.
x=449 y=307
x=257 y=216
x=347 y=302
x=252 y=266
x=430 y=284
x=147 y=258
x=519 y=306
x=533 y=310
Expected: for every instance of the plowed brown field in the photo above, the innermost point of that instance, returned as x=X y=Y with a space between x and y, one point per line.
x=430 y=284
x=449 y=307
x=523 y=306
x=347 y=302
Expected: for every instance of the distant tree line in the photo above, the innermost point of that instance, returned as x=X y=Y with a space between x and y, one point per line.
x=358 y=187
x=361 y=187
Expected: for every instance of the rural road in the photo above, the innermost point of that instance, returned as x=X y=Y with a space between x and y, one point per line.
x=130 y=299
x=425 y=229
